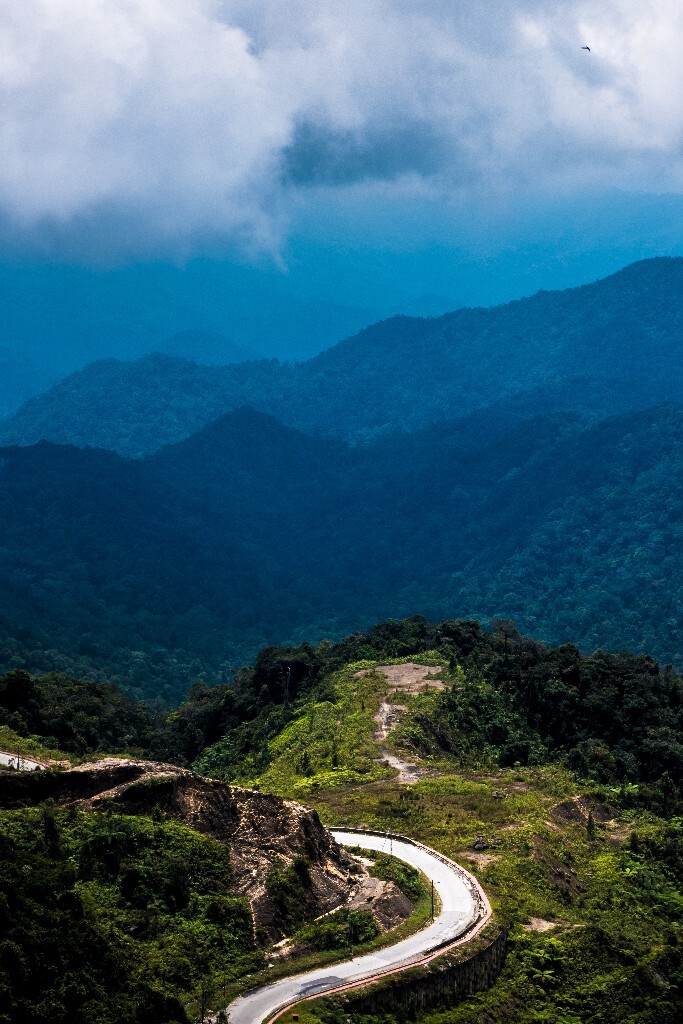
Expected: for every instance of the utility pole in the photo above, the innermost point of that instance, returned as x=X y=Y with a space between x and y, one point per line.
x=432 y=899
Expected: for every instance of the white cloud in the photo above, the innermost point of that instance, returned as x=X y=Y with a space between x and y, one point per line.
x=177 y=118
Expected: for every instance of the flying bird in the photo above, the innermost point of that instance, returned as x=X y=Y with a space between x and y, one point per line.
x=586 y=48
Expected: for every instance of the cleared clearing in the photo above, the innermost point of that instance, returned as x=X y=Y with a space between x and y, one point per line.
x=405 y=681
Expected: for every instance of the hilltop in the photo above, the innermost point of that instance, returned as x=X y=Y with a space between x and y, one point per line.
x=136 y=889
x=555 y=778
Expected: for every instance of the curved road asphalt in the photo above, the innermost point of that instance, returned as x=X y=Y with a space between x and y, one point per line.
x=463 y=906
x=26 y=764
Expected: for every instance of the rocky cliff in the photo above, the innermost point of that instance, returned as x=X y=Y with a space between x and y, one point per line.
x=261 y=831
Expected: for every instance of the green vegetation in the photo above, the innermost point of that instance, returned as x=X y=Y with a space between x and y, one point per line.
x=302 y=718
x=29 y=746
x=302 y=724
x=289 y=889
x=538 y=353
x=483 y=478
x=329 y=744
x=72 y=715
x=148 y=577
x=343 y=929
x=613 y=949
x=109 y=918
x=391 y=869
x=555 y=777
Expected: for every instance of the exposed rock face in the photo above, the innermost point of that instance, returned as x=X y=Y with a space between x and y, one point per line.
x=260 y=830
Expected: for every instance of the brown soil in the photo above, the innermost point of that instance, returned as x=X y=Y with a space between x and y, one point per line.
x=577 y=810
x=409 y=678
x=260 y=830
x=539 y=924
x=387 y=904
x=481 y=859
x=404 y=680
x=564 y=877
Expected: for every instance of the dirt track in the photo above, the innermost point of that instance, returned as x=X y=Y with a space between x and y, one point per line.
x=402 y=681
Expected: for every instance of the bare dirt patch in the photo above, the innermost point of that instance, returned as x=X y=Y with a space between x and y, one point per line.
x=577 y=811
x=539 y=924
x=409 y=678
x=481 y=859
x=407 y=773
x=404 y=680
x=387 y=719
x=383 y=899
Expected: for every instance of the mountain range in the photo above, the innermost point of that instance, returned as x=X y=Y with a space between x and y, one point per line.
x=601 y=349
x=154 y=571
x=515 y=462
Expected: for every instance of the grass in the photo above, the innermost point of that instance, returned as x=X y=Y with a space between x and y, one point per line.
x=616 y=917
x=29 y=746
x=599 y=898
x=330 y=744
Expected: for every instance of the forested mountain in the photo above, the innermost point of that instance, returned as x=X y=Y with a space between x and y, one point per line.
x=604 y=348
x=153 y=572
x=136 y=407
x=206 y=347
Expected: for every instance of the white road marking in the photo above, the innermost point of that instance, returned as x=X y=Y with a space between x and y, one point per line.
x=463 y=905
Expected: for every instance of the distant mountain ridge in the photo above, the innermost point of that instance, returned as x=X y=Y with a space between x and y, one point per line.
x=597 y=350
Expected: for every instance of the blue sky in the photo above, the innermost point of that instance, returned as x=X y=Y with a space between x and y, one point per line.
x=380 y=155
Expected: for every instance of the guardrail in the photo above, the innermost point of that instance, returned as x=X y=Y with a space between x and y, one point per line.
x=23 y=764
x=478 y=893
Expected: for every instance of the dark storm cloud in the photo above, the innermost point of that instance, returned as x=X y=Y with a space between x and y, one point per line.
x=176 y=119
x=322 y=155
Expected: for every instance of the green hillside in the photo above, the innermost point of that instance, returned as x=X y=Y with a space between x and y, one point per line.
x=555 y=778
x=111 y=918
x=154 y=573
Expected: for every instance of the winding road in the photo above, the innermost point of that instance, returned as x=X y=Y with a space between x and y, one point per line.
x=24 y=764
x=464 y=911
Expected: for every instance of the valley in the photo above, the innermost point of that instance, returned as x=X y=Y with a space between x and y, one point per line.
x=243 y=613
x=164 y=520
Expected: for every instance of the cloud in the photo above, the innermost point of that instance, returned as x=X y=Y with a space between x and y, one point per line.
x=169 y=120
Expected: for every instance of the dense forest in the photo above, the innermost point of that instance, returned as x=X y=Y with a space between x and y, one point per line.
x=111 y=918
x=154 y=573
x=614 y=718
x=508 y=461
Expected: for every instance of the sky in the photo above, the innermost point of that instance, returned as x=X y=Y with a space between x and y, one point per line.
x=371 y=156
